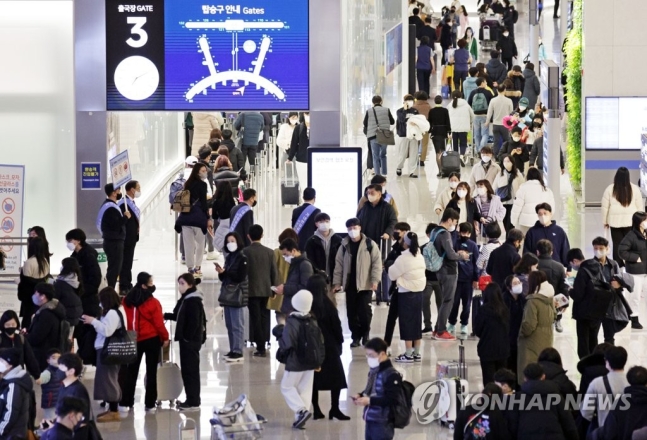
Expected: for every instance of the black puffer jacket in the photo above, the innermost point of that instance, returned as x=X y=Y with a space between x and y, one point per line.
x=226 y=174
x=587 y=303
x=555 y=272
x=69 y=297
x=557 y=374
x=377 y=220
x=632 y=248
x=235 y=271
x=590 y=367
x=491 y=330
x=44 y=332
x=190 y=318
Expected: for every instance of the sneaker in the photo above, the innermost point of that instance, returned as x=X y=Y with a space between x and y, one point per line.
x=151 y=410
x=183 y=260
x=445 y=336
x=109 y=417
x=260 y=354
x=197 y=272
x=404 y=359
x=183 y=406
x=413 y=175
x=427 y=330
x=228 y=354
x=558 y=326
x=212 y=256
x=451 y=328
x=398 y=172
x=124 y=409
x=417 y=357
x=355 y=343
x=235 y=357
x=302 y=418
x=463 y=329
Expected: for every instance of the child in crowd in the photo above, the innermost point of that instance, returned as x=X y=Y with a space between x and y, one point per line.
x=468 y=276
x=50 y=382
x=506 y=379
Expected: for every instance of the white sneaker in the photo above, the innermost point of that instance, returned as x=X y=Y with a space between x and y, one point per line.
x=212 y=256
x=183 y=261
x=124 y=409
x=558 y=326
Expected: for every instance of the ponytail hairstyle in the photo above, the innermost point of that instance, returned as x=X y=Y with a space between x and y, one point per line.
x=456 y=95
x=411 y=239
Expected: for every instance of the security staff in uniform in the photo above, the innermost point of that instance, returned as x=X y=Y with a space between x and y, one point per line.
x=303 y=218
x=133 y=190
x=112 y=225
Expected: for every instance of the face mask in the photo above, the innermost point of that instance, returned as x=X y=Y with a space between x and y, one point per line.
x=481 y=191
x=461 y=193
x=644 y=225
x=231 y=246
x=373 y=198
x=203 y=175
x=409 y=103
x=373 y=362
x=324 y=227
x=306 y=118
x=505 y=34
x=600 y=253
x=452 y=228
x=353 y=233
x=53 y=363
x=288 y=258
x=4 y=367
x=294 y=121
x=254 y=204
x=62 y=368
x=517 y=289
x=182 y=288
x=10 y=330
x=151 y=289
x=516 y=138
x=70 y=246
x=522 y=108
x=397 y=236
x=453 y=185
x=575 y=267
x=486 y=159
x=119 y=196
x=35 y=299
x=545 y=220
x=464 y=239
x=507 y=165
x=138 y=193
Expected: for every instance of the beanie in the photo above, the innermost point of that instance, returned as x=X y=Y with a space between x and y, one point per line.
x=302 y=301
x=12 y=356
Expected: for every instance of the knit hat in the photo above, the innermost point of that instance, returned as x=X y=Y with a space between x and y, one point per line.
x=302 y=301
x=11 y=356
x=523 y=102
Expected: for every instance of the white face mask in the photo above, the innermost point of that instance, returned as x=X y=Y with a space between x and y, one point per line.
x=138 y=193
x=324 y=227
x=453 y=185
x=452 y=228
x=182 y=288
x=409 y=103
x=70 y=246
x=517 y=289
x=481 y=190
x=461 y=193
x=507 y=165
x=545 y=220
x=231 y=246
x=486 y=158
x=294 y=121
x=288 y=258
x=505 y=34
x=522 y=108
x=373 y=362
x=516 y=138
x=353 y=233
x=204 y=176
x=600 y=253
x=373 y=198
x=4 y=367
x=644 y=224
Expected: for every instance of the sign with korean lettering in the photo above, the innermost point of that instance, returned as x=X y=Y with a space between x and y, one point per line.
x=90 y=175
x=120 y=169
x=12 y=198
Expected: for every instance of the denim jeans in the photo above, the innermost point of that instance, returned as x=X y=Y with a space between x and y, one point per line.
x=235 y=328
x=481 y=132
x=379 y=157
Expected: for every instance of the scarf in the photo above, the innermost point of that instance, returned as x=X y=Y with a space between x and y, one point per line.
x=370 y=384
x=70 y=279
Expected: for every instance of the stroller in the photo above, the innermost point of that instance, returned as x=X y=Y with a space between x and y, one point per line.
x=237 y=420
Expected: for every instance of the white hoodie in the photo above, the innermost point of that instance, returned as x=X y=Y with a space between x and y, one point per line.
x=460 y=117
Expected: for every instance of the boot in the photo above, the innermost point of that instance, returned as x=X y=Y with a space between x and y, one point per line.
x=635 y=324
x=316 y=411
x=335 y=412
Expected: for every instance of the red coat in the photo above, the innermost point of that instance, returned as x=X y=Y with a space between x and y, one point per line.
x=149 y=321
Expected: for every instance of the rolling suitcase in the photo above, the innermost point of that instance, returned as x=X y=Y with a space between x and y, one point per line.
x=289 y=186
x=450 y=161
x=169 y=379
x=457 y=388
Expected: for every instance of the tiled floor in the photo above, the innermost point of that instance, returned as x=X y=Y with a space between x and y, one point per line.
x=260 y=378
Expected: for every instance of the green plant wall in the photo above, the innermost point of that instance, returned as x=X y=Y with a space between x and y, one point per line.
x=573 y=72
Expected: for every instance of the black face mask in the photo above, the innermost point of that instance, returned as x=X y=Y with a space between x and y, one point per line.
x=397 y=236
x=10 y=330
x=151 y=289
x=254 y=204
x=464 y=239
x=119 y=196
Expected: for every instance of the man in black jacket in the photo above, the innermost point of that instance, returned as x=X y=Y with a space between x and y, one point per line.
x=440 y=128
x=508 y=48
x=555 y=272
x=15 y=388
x=547 y=229
x=416 y=20
x=504 y=258
x=321 y=248
x=69 y=413
x=242 y=216
x=72 y=366
x=45 y=329
x=261 y=280
x=377 y=217
x=427 y=31
x=133 y=190
x=112 y=225
x=300 y=272
x=303 y=217
x=496 y=69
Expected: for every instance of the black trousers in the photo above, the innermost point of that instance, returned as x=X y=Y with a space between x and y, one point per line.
x=488 y=368
x=617 y=234
x=358 y=311
x=128 y=381
x=114 y=250
x=126 y=273
x=506 y=219
x=249 y=152
x=512 y=359
x=508 y=63
x=609 y=331
x=391 y=319
x=587 y=336
x=190 y=365
x=259 y=320
x=464 y=292
x=423 y=80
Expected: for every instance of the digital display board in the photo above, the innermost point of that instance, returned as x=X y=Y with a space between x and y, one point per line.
x=190 y=55
x=393 y=48
x=616 y=123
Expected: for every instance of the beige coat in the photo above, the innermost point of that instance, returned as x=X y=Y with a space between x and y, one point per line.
x=369 y=265
x=478 y=173
x=614 y=214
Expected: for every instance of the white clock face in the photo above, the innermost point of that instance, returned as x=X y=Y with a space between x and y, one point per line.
x=136 y=78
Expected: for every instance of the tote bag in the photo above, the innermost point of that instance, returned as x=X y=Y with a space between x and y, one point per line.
x=121 y=347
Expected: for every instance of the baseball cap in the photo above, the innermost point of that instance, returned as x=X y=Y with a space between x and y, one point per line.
x=191 y=160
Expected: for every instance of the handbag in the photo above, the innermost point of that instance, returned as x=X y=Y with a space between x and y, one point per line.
x=275 y=303
x=233 y=294
x=121 y=347
x=383 y=137
x=505 y=192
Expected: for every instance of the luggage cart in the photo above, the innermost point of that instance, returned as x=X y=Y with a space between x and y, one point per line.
x=239 y=431
x=237 y=420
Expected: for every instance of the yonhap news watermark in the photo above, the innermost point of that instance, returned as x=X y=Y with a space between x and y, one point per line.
x=433 y=401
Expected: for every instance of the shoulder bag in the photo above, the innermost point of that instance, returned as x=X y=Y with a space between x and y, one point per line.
x=121 y=347
x=383 y=137
x=233 y=294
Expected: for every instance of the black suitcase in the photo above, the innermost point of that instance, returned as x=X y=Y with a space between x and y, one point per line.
x=289 y=186
x=477 y=302
x=450 y=161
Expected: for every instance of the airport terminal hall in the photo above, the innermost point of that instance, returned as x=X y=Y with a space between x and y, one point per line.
x=323 y=219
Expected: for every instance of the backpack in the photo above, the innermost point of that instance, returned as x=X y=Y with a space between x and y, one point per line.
x=310 y=344
x=182 y=201
x=433 y=261
x=479 y=102
x=401 y=408
x=64 y=336
x=369 y=246
x=176 y=186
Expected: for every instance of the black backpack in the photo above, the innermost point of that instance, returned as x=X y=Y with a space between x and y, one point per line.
x=401 y=408
x=310 y=344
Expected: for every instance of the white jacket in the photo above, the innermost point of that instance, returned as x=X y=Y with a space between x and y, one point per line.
x=502 y=180
x=443 y=199
x=284 y=138
x=529 y=195
x=409 y=272
x=461 y=117
x=616 y=215
x=417 y=126
x=203 y=123
x=478 y=173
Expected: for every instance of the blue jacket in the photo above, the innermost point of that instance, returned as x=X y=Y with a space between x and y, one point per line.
x=383 y=393
x=467 y=270
x=254 y=124
x=469 y=85
x=50 y=389
x=553 y=233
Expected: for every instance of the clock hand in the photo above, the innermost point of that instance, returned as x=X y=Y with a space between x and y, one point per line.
x=136 y=78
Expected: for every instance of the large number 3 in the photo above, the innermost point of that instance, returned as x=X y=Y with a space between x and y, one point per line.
x=139 y=23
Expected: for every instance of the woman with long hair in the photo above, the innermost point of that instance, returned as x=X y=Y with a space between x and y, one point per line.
x=472 y=44
x=34 y=270
x=463 y=19
x=68 y=289
x=536 y=331
x=515 y=301
x=528 y=263
x=106 y=378
x=461 y=117
x=194 y=224
x=445 y=196
x=619 y=202
x=633 y=251
x=223 y=171
x=408 y=272
x=530 y=194
x=506 y=186
x=331 y=376
x=492 y=325
x=10 y=338
x=489 y=206
x=223 y=203
x=39 y=231
x=466 y=207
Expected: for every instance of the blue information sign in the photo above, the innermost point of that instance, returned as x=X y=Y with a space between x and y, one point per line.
x=90 y=175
